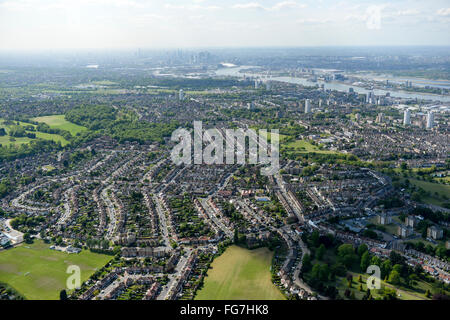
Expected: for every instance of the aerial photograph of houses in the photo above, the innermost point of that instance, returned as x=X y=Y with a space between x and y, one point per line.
x=284 y=154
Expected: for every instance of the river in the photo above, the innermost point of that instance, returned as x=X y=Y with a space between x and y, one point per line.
x=333 y=85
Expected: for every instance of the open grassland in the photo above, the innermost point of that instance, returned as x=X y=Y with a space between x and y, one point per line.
x=416 y=292
x=433 y=188
x=39 y=273
x=59 y=122
x=8 y=140
x=240 y=274
x=304 y=146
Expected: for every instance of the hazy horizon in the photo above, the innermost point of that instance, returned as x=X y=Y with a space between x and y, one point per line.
x=126 y=24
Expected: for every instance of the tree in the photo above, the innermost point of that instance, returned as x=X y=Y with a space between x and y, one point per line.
x=324 y=272
x=27 y=238
x=320 y=252
x=365 y=261
x=376 y=261
x=349 y=280
x=338 y=269
x=63 y=295
x=306 y=263
x=315 y=238
x=331 y=292
x=394 y=277
x=386 y=268
x=389 y=294
x=441 y=251
x=345 y=249
x=398 y=268
x=416 y=196
x=404 y=166
x=347 y=293
x=236 y=236
x=418 y=270
x=315 y=272
x=361 y=249
x=347 y=254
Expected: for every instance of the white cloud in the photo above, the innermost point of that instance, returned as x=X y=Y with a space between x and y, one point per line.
x=314 y=21
x=192 y=7
x=250 y=5
x=443 y=12
x=287 y=4
x=25 y=5
x=373 y=17
x=118 y=23
x=407 y=12
x=275 y=7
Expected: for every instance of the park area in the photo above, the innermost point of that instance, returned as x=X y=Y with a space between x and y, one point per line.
x=39 y=273
x=303 y=146
x=240 y=274
x=8 y=139
x=59 y=122
x=437 y=191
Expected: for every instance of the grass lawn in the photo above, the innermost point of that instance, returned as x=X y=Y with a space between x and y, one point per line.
x=50 y=136
x=5 y=140
x=441 y=189
x=39 y=273
x=304 y=146
x=59 y=122
x=281 y=137
x=402 y=293
x=390 y=228
x=104 y=83
x=240 y=274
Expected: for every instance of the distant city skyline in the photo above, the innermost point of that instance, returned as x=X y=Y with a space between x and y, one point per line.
x=120 y=24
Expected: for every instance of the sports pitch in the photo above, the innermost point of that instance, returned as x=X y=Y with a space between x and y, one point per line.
x=240 y=274
x=39 y=273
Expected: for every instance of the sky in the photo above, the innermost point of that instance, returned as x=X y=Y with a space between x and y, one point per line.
x=105 y=24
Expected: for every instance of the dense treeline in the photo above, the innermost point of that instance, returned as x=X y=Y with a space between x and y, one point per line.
x=93 y=117
x=181 y=83
x=331 y=260
x=12 y=152
x=108 y=121
x=435 y=216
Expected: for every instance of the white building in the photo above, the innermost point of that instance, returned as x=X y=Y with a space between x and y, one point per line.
x=4 y=240
x=370 y=97
x=430 y=120
x=307 y=106
x=181 y=95
x=380 y=118
x=407 y=117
